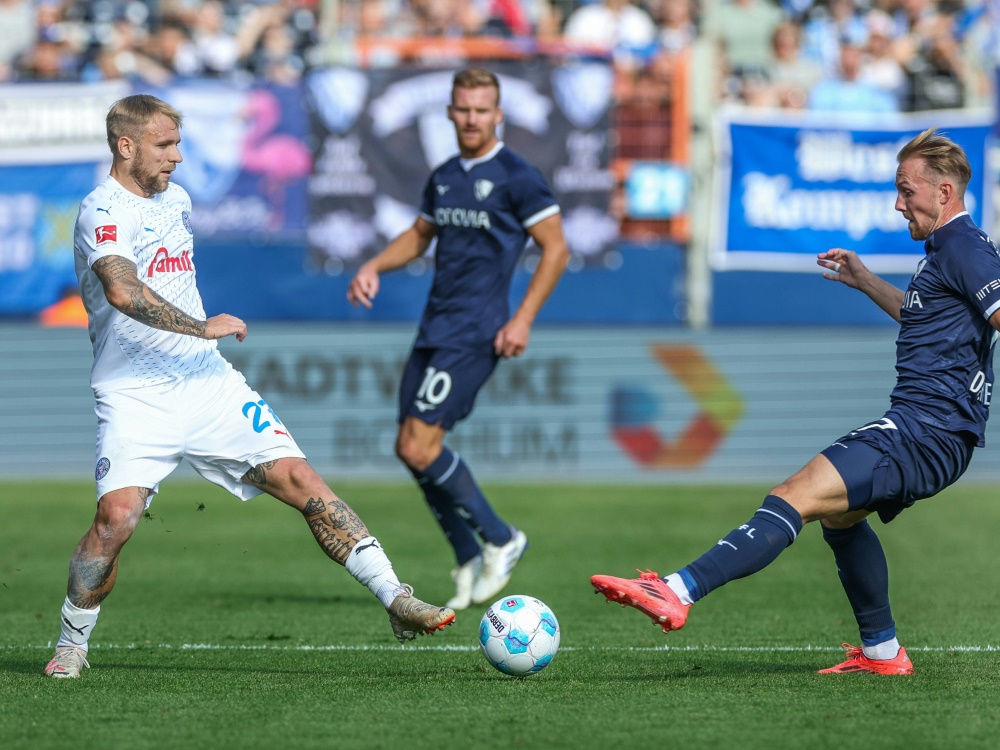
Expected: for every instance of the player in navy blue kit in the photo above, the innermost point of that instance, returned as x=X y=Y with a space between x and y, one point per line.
x=949 y=316
x=482 y=206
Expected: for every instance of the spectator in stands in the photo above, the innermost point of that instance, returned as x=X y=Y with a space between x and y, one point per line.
x=121 y=55
x=56 y=52
x=790 y=75
x=614 y=26
x=215 y=48
x=743 y=29
x=438 y=17
x=546 y=18
x=677 y=30
x=827 y=28
x=18 y=29
x=936 y=68
x=913 y=21
x=503 y=18
x=47 y=60
x=977 y=28
x=275 y=57
x=846 y=93
x=171 y=46
x=879 y=65
x=268 y=45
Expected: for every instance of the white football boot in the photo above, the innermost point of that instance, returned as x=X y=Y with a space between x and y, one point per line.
x=498 y=565
x=464 y=577
x=411 y=617
x=68 y=662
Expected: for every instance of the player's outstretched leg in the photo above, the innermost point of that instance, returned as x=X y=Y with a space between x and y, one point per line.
x=857 y=662
x=345 y=539
x=498 y=566
x=743 y=551
x=411 y=617
x=649 y=594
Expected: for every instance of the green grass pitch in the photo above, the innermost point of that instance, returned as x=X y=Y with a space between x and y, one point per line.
x=229 y=629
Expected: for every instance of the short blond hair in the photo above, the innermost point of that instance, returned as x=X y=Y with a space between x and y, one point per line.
x=474 y=78
x=129 y=117
x=941 y=155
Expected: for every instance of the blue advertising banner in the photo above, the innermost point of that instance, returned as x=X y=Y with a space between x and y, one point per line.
x=38 y=206
x=246 y=162
x=53 y=150
x=246 y=166
x=794 y=186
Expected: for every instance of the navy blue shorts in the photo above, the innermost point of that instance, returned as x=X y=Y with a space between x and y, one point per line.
x=890 y=464
x=439 y=386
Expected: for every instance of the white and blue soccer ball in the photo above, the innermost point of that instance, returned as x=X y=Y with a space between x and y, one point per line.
x=519 y=635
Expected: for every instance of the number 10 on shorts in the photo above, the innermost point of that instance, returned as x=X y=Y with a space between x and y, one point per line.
x=435 y=387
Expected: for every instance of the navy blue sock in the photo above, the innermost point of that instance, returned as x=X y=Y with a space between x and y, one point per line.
x=746 y=549
x=456 y=529
x=453 y=478
x=865 y=575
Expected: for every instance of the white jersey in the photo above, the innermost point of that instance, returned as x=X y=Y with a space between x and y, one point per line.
x=155 y=234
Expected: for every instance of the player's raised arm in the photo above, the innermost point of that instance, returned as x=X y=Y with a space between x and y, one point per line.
x=408 y=246
x=846 y=267
x=512 y=339
x=131 y=297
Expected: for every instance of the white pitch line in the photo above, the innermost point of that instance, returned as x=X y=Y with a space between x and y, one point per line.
x=448 y=647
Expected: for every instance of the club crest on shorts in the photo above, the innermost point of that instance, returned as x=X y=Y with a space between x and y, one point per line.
x=103 y=466
x=482 y=189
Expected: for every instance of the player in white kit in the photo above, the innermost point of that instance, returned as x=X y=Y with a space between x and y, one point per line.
x=163 y=392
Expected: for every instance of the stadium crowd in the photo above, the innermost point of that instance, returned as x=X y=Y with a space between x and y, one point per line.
x=870 y=55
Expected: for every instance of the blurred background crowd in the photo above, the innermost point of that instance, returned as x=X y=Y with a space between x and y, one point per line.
x=829 y=55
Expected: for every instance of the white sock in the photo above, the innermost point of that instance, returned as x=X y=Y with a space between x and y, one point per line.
x=884 y=650
x=76 y=625
x=370 y=567
x=676 y=584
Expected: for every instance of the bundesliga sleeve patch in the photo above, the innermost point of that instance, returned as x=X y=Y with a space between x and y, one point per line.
x=107 y=233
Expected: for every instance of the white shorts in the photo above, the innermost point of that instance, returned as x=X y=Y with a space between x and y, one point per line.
x=212 y=418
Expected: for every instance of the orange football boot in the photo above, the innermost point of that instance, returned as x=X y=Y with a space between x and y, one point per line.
x=858 y=662
x=648 y=594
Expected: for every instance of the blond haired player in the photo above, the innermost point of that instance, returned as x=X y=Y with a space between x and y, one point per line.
x=163 y=392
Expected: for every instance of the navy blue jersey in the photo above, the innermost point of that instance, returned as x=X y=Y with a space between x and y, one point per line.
x=944 y=352
x=482 y=209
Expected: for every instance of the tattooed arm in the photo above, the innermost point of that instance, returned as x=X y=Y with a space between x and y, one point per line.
x=131 y=297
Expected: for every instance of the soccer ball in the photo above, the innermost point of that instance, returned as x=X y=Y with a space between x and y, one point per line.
x=519 y=635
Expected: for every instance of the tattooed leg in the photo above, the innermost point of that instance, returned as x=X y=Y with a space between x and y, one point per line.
x=94 y=566
x=335 y=525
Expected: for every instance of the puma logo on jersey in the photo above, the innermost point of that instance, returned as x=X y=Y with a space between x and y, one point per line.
x=442 y=189
x=163 y=263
